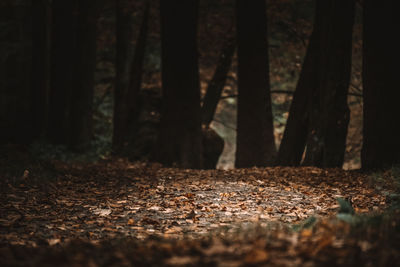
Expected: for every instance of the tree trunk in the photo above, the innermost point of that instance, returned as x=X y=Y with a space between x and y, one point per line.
x=63 y=66
x=217 y=83
x=295 y=136
x=330 y=114
x=82 y=91
x=381 y=92
x=40 y=66
x=136 y=73
x=180 y=123
x=122 y=78
x=255 y=137
x=15 y=71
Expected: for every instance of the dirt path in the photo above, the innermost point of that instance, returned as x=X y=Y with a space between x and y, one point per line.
x=115 y=200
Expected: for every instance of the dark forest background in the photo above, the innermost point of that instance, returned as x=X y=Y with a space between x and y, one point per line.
x=114 y=115
x=180 y=82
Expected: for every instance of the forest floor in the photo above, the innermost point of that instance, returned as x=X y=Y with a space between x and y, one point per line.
x=118 y=213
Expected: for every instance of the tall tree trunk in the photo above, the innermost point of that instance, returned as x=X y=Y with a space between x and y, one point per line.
x=330 y=114
x=82 y=91
x=381 y=92
x=137 y=72
x=122 y=79
x=40 y=66
x=63 y=66
x=217 y=83
x=295 y=136
x=180 y=124
x=255 y=137
x=15 y=71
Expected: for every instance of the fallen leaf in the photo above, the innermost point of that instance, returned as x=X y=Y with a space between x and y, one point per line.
x=102 y=212
x=256 y=256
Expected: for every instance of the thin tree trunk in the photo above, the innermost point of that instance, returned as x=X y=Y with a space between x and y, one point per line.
x=62 y=68
x=180 y=139
x=295 y=136
x=137 y=72
x=82 y=91
x=330 y=113
x=15 y=74
x=217 y=83
x=40 y=66
x=122 y=79
x=255 y=137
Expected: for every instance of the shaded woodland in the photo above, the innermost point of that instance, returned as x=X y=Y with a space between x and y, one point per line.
x=172 y=116
x=63 y=81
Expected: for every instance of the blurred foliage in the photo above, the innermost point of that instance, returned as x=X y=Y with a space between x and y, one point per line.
x=306 y=224
x=388 y=178
x=345 y=206
x=99 y=148
x=366 y=228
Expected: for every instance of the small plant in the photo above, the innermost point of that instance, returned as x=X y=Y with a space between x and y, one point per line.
x=345 y=206
x=306 y=224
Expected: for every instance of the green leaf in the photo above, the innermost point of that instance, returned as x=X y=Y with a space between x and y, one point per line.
x=345 y=206
x=308 y=223
x=349 y=218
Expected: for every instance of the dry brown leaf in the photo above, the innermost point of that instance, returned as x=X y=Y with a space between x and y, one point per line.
x=256 y=256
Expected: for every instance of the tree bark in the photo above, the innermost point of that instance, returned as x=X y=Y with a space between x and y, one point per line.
x=330 y=114
x=80 y=120
x=295 y=136
x=15 y=71
x=62 y=69
x=381 y=92
x=217 y=83
x=136 y=73
x=122 y=79
x=180 y=139
x=255 y=137
x=40 y=66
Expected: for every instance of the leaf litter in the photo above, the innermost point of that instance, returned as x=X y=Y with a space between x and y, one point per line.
x=128 y=214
